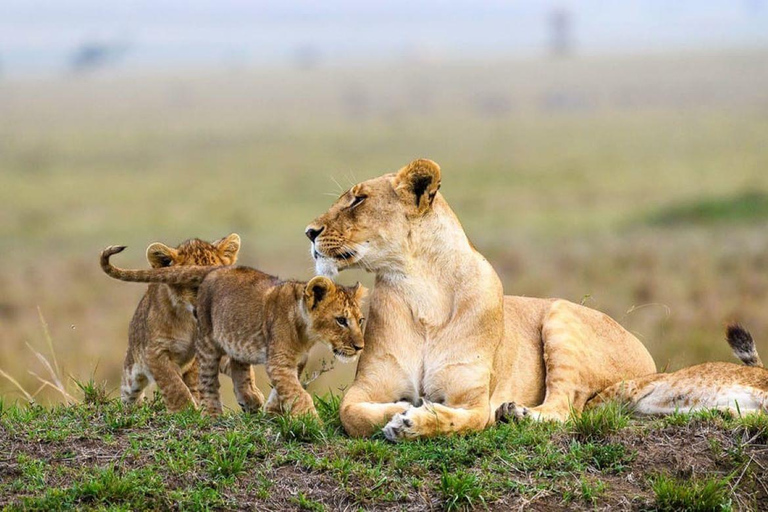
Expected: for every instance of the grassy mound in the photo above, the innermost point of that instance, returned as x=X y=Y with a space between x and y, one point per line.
x=98 y=455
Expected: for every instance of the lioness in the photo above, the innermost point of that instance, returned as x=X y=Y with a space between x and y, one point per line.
x=444 y=347
x=162 y=332
x=717 y=385
x=255 y=318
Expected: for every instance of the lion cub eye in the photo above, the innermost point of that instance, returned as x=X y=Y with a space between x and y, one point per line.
x=362 y=321
x=357 y=201
x=342 y=321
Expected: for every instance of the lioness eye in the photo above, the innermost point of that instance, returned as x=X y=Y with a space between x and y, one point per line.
x=357 y=201
x=342 y=321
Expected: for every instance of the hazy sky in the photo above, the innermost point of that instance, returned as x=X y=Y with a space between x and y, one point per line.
x=40 y=35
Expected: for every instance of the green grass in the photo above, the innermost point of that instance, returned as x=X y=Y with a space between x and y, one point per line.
x=748 y=206
x=691 y=495
x=460 y=490
x=599 y=422
x=99 y=458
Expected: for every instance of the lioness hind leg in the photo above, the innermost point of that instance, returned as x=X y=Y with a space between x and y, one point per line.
x=249 y=397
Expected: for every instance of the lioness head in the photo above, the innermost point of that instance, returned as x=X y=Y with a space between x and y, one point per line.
x=334 y=316
x=368 y=224
x=194 y=252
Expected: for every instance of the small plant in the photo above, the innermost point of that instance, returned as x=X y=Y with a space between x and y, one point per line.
x=696 y=495
x=611 y=457
x=304 y=503
x=586 y=491
x=328 y=408
x=303 y=429
x=93 y=394
x=230 y=458
x=754 y=427
x=599 y=422
x=460 y=490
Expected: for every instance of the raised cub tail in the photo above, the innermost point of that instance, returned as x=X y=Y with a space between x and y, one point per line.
x=743 y=345
x=182 y=275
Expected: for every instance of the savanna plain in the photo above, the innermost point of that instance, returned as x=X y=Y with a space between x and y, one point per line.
x=636 y=185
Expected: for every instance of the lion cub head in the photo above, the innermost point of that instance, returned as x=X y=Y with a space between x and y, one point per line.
x=194 y=252
x=369 y=224
x=334 y=316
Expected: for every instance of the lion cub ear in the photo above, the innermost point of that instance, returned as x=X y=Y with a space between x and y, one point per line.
x=360 y=292
x=317 y=290
x=418 y=182
x=228 y=248
x=160 y=255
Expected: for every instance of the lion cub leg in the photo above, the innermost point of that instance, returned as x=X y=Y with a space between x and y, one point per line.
x=209 y=358
x=249 y=397
x=132 y=385
x=167 y=375
x=191 y=378
x=273 y=402
x=283 y=373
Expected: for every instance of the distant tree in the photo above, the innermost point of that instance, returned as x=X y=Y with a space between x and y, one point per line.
x=93 y=55
x=560 y=22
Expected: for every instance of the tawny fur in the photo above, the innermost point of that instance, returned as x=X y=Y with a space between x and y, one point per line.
x=161 y=334
x=717 y=385
x=255 y=318
x=444 y=347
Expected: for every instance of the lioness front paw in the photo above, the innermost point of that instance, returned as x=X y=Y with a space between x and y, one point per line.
x=399 y=427
x=510 y=411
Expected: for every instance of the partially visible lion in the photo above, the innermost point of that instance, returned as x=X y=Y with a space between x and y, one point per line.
x=717 y=385
x=445 y=349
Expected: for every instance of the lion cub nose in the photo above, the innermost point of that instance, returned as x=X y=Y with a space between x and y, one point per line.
x=313 y=233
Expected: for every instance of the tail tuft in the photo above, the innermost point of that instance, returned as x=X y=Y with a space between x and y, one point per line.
x=743 y=345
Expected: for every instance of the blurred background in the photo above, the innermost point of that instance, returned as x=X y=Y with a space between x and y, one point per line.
x=611 y=153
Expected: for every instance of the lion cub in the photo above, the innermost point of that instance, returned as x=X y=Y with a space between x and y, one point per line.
x=162 y=332
x=255 y=318
x=716 y=385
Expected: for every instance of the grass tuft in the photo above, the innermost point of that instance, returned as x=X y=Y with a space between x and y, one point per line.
x=302 y=429
x=460 y=490
x=595 y=424
x=696 y=495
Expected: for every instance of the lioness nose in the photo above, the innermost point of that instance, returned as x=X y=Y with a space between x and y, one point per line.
x=313 y=233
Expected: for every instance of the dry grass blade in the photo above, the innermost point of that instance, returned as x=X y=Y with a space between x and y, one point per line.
x=48 y=339
x=30 y=398
x=56 y=384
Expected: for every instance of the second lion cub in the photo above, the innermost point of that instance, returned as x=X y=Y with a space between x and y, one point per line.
x=255 y=318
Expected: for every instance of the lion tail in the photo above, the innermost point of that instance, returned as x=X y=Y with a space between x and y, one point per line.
x=743 y=345
x=184 y=275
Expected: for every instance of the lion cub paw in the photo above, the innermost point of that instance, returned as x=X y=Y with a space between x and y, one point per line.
x=510 y=411
x=399 y=427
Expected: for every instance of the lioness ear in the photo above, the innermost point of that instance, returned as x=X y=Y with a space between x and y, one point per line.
x=229 y=247
x=418 y=183
x=360 y=292
x=160 y=255
x=317 y=290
